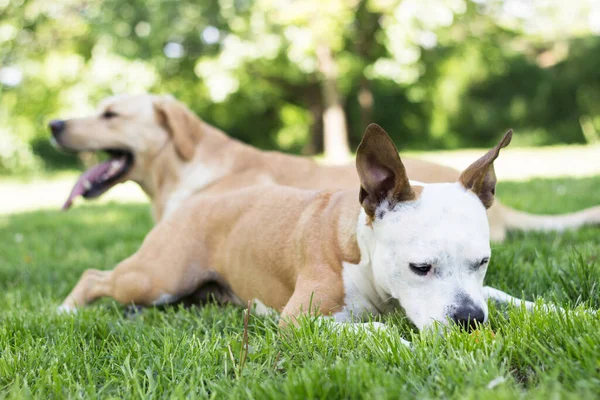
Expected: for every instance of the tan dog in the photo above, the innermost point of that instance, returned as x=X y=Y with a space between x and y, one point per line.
x=160 y=144
x=424 y=247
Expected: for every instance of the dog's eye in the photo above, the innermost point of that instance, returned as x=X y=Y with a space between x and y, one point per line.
x=477 y=265
x=109 y=114
x=420 y=269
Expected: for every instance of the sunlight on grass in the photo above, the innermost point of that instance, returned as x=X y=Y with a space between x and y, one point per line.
x=198 y=352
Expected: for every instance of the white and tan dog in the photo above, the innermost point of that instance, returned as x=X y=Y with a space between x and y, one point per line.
x=388 y=243
x=157 y=142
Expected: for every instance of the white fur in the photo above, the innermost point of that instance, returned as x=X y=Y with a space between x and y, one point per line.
x=194 y=177
x=369 y=328
x=499 y=296
x=447 y=227
x=260 y=309
x=63 y=309
x=362 y=295
x=165 y=298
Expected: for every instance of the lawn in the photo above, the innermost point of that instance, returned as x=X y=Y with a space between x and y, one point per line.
x=200 y=352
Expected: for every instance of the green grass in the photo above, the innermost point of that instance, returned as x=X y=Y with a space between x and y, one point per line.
x=198 y=353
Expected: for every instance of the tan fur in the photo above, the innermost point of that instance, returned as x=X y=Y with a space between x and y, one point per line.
x=181 y=124
x=293 y=257
x=165 y=171
x=281 y=245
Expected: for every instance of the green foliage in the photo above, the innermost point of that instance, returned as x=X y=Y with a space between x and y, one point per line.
x=197 y=353
x=15 y=155
x=442 y=74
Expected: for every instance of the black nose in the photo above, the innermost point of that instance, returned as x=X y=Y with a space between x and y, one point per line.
x=468 y=317
x=57 y=126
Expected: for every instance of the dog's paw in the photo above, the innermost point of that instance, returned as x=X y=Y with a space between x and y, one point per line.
x=261 y=310
x=65 y=309
x=376 y=328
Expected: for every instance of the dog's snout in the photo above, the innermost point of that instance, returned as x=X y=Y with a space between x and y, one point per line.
x=469 y=317
x=57 y=126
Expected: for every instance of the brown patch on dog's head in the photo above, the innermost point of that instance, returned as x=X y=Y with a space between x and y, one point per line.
x=480 y=176
x=182 y=124
x=381 y=172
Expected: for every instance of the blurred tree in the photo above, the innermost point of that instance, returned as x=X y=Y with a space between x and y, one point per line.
x=315 y=31
x=308 y=76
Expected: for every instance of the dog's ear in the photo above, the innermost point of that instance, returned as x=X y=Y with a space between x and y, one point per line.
x=480 y=177
x=181 y=123
x=381 y=172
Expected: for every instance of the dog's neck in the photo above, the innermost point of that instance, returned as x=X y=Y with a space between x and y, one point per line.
x=364 y=296
x=172 y=180
x=352 y=241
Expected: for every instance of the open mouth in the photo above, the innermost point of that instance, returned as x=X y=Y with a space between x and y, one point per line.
x=98 y=179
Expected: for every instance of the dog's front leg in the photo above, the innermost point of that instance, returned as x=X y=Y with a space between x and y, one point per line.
x=126 y=284
x=369 y=327
x=314 y=295
x=499 y=296
x=162 y=271
x=92 y=285
x=324 y=296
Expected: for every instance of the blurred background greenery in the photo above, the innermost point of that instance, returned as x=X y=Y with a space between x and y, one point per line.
x=307 y=76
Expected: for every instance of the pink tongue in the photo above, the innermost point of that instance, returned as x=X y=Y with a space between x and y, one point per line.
x=92 y=175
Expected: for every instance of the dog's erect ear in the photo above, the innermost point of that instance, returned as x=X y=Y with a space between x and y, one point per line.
x=480 y=177
x=381 y=172
x=181 y=123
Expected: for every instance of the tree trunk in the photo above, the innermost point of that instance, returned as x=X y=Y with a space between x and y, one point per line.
x=311 y=99
x=337 y=150
x=315 y=141
x=367 y=48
